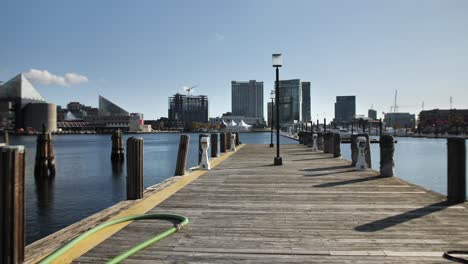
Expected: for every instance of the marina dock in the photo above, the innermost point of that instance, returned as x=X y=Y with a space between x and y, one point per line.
x=314 y=208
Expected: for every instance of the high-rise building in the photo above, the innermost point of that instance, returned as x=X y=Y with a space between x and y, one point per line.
x=306 y=101
x=184 y=110
x=290 y=101
x=247 y=99
x=372 y=114
x=345 y=108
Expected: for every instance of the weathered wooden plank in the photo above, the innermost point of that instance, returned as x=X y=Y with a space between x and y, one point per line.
x=314 y=208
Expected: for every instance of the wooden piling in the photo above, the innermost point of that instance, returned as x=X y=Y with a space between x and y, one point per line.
x=50 y=155
x=45 y=158
x=12 y=172
x=200 y=149
x=326 y=142
x=320 y=141
x=40 y=166
x=237 y=139
x=310 y=139
x=354 y=150
x=214 y=145
x=336 y=145
x=182 y=155
x=6 y=138
x=456 y=170
x=222 y=142
x=135 y=173
x=117 y=153
x=228 y=140
x=387 y=150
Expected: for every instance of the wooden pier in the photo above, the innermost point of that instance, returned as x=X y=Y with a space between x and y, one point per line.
x=314 y=208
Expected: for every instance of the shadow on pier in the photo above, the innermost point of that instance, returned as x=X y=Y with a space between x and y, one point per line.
x=404 y=217
x=334 y=184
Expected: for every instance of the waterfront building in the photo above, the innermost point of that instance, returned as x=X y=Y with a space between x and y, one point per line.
x=372 y=114
x=113 y=117
x=444 y=119
x=23 y=108
x=108 y=108
x=345 y=108
x=79 y=110
x=306 y=101
x=399 y=120
x=184 y=110
x=247 y=99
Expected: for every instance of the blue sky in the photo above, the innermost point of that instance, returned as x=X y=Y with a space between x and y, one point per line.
x=137 y=53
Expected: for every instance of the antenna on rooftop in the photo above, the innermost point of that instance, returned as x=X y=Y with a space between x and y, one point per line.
x=451 y=102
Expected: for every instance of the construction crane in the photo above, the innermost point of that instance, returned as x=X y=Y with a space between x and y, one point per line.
x=395 y=106
x=188 y=89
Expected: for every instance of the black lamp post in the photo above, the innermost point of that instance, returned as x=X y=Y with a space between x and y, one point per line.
x=277 y=61
x=272 y=96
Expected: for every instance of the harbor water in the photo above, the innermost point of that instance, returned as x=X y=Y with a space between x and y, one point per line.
x=87 y=183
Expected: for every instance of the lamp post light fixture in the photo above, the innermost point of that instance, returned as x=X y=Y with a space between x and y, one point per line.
x=272 y=96
x=277 y=62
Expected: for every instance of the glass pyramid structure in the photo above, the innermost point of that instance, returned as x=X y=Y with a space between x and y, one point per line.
x=20 y=88
x=108 y=108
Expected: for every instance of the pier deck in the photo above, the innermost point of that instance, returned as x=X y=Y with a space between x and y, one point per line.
x=314 y=208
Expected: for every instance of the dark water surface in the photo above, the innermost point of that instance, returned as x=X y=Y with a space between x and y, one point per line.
x=86 y=183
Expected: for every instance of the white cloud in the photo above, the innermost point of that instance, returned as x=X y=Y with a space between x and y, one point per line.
x=47 y=78
x=219 y=36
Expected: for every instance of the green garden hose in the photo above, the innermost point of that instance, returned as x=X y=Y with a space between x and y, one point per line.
x=182 y=222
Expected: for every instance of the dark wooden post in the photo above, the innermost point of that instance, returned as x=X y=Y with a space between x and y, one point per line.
x=12 y=171
x=6 y=139
x=354 y=150
x=324 y=125
x=45 y=159
x=336 y=145
x=117 y=153
x=40 y=167
x=326 y=142
x=228 y=140
x=310 y=138
x=456 y=170
x=50 y=155
x=222 y=143
x=237 y=139
x=135 y=168
x=182 y=155
x=320 y=140
x=214 y=145
x=387 y=149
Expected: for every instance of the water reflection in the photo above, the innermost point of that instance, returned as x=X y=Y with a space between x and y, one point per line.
x=117 y=168
x=44 y=192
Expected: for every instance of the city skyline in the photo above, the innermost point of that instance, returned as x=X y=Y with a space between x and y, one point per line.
x=363 y=48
